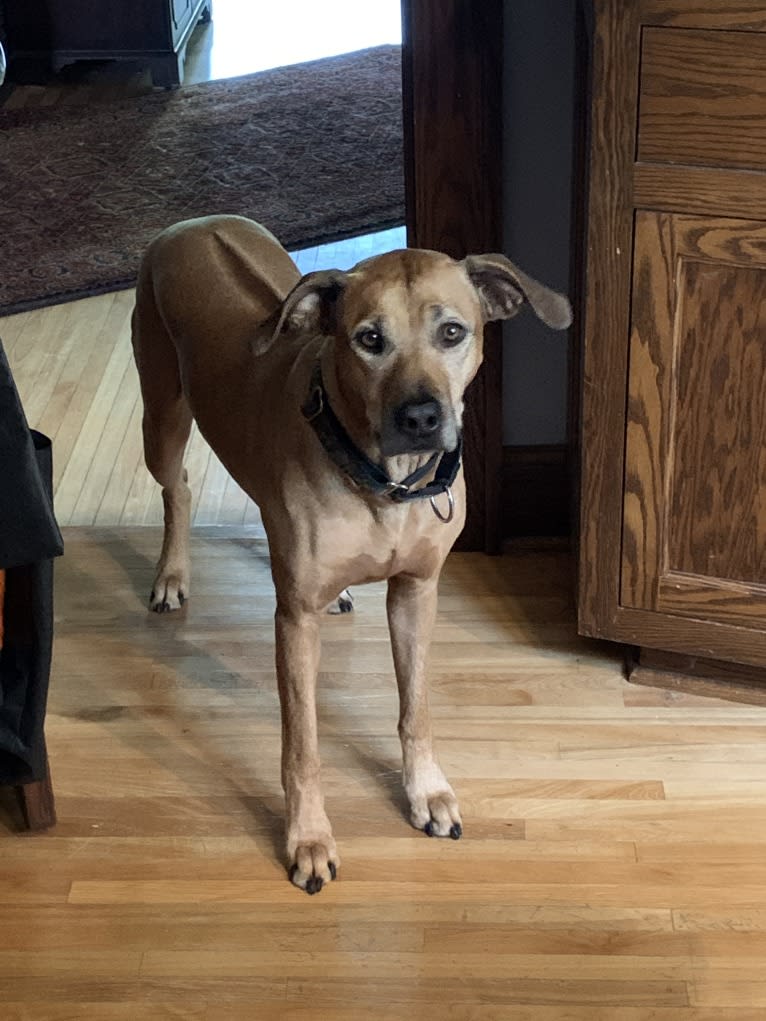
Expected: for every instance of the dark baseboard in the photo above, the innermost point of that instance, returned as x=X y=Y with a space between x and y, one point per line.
x=696 y=675
x=536 y=491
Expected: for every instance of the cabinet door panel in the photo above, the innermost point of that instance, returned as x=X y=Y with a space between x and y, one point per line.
x=702 y=98
x=742 y=16
x=694 y=525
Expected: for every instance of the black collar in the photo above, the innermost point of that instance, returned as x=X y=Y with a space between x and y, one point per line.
x=359 y=468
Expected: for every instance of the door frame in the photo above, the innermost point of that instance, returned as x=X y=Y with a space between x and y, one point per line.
x=452 y=76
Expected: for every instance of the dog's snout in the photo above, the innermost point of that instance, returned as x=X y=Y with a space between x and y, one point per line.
x=419 y=419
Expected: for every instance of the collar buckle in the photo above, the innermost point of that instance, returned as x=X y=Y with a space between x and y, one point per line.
x=395 y=489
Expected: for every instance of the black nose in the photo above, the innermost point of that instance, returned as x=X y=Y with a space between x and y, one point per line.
x=418 y=419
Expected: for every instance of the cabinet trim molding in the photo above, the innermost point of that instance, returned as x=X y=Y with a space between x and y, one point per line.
x=614 y=85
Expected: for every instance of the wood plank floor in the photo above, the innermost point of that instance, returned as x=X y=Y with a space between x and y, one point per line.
x=612 y=867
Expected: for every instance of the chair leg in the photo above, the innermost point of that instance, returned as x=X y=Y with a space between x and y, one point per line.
x=37 y=803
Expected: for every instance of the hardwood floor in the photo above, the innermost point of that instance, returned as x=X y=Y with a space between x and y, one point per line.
x=612 y=867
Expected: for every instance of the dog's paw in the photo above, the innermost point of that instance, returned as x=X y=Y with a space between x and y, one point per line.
x=443 y=817
x=170 y=592
x=343 y=604
x=433 y=806
x=313 y=865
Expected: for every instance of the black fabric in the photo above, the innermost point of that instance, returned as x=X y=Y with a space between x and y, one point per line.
x=25 y=662
x=359 y=468
x=29 y=538
x=28 y=529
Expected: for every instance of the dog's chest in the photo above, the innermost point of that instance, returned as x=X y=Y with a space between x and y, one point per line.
x=379 y=548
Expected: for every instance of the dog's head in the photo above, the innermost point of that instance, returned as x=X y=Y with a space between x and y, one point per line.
x=407 y=335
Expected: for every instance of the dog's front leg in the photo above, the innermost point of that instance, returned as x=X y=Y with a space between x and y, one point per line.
x=411 y=608
x=311 y=852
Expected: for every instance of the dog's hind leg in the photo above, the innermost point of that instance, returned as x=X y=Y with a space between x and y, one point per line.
x=172 y=579
x=167 y=423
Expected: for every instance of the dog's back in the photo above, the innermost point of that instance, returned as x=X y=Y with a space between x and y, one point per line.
x=219 y=277
x=216 y=276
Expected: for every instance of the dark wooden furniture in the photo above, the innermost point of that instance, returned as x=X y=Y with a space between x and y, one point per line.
x=452 y=68
x=673 y=512
x=47 y=34
x=29 y=539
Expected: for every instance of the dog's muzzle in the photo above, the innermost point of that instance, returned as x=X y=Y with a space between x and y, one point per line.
x=444 y=464
x=417 y=425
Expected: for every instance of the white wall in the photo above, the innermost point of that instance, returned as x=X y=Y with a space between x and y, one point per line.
x=537 y=143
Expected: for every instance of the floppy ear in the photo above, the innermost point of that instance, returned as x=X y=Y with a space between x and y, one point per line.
x=311 y=303
x=503 y=289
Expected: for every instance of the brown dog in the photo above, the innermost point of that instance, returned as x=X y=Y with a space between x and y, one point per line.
x=336 y=402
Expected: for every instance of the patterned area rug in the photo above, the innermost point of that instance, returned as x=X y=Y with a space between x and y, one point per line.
x=313 y=151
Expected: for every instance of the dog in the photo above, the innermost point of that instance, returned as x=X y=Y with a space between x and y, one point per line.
x=335 y=400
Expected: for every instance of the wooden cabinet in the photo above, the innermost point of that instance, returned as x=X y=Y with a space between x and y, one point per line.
x=45 y=34
x=673 y=432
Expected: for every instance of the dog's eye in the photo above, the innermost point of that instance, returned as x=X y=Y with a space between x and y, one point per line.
x=450 y=334
x=371 y=340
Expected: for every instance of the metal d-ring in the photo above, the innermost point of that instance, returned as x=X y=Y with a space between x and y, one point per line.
x=446 y=518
